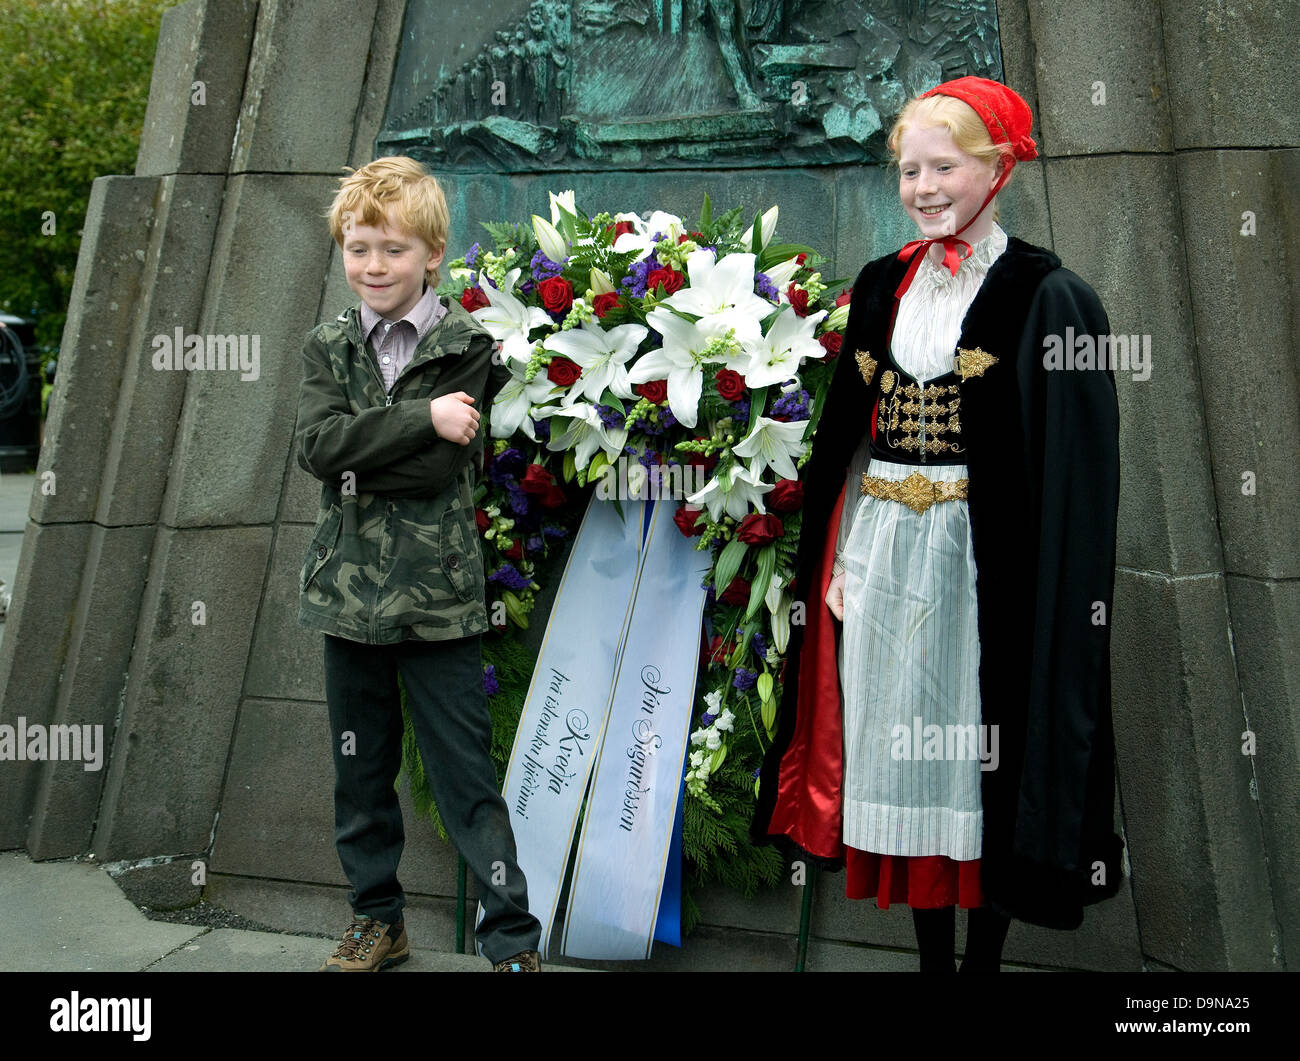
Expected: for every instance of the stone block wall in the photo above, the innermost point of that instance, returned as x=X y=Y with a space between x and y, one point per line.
x=177 y=489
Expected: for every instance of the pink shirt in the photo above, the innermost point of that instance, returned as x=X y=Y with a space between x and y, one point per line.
x=393 y=343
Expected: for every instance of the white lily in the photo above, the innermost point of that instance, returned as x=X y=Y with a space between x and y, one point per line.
x=584 y=433
x=783 y=273
x=553 y=245
x=509 y=320
x=563 y=201
x=513 y=405
x=642 y=238
x=601 y=284
x=602 y=355
x=681 y=359
x=776 y=356
x=773 y=444
x=720 y=288
x=766 y=229
x=741 y=489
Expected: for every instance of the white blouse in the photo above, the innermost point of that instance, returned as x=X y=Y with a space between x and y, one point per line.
x=926 y=331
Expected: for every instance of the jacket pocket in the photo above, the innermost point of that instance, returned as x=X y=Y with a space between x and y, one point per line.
x=322 y=547
x=461 y=560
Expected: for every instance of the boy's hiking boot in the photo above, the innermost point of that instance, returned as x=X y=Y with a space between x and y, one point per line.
x=368 y=946
x=527 y=961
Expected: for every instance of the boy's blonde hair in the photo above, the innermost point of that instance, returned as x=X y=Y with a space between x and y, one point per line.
x=959 y=118
x=394 y=191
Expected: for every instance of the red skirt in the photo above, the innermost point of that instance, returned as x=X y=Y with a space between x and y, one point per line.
x=925 y=882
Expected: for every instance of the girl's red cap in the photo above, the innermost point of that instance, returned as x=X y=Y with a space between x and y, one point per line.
x=1004 y=113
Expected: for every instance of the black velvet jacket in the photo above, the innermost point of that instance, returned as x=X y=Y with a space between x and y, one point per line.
x=1041 y=448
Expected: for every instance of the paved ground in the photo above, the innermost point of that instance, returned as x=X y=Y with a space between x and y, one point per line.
x=70 y=917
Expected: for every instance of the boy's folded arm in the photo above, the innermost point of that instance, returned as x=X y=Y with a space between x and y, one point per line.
x=431 y=469
x=331 y=439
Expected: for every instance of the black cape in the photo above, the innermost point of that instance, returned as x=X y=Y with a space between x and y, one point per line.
x=1042 y=449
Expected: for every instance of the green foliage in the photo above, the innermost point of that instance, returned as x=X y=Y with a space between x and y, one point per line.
x=74 y=85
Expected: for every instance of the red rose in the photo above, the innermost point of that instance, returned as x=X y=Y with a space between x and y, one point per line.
x=798 y=299
x=736 y=593
x=685 y=519
x=481 y=520
x=556 y=293
x=621 y=227
x=667 y=277
x=563 y=372
x=698 y=236
x=756 y=529
x=719 y=649
x=602 y=304
x=472 y=298
x=833 y=342
x=540 y=482
x=536 y=479
x=654 y=391
x=515 y=552
x=730 y=384
x=800 y=258
x=842 y=299
x=786 y=496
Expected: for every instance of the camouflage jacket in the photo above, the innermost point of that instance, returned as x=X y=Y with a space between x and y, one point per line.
x=395 y=554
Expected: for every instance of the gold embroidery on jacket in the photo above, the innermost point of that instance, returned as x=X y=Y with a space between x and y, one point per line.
x=866 y=365
x=971 y=363
x=921 y=418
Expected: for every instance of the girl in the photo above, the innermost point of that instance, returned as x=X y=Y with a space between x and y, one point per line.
x=969 y=496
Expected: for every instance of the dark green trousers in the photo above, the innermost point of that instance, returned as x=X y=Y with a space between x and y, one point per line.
x=449 y=712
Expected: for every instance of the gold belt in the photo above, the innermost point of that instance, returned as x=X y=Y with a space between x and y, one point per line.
x=916 y=491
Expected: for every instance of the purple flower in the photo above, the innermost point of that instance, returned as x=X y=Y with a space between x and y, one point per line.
x=506 y=466
x=552 y=531
x=755 y=774
x=636 y=277
x=609 y=416
x=764 y=288
x=471 y=255
x=740 y=410
x=518 y=499
x=490 y=684
x=543 y=268
x=666 y=418
x=792 y=406
x=707 y=718
x=534 y=543
x=744 y=679
x=542 y=428
x=760 y=645
x=507 y=576
x=526 y=288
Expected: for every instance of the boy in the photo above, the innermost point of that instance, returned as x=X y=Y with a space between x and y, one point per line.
x=388 y=420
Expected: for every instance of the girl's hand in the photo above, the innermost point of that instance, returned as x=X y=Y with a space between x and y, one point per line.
x=835 y=596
